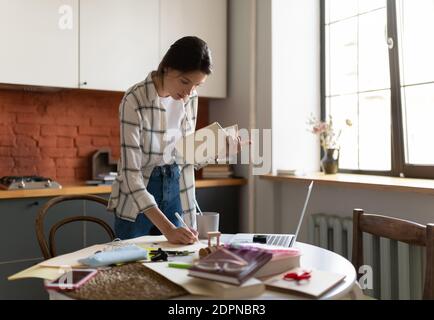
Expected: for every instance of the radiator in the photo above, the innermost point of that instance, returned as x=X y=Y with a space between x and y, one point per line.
x=397 y=268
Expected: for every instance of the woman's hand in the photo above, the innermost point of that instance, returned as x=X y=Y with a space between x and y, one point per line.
x=181 y=235
x=173 y=234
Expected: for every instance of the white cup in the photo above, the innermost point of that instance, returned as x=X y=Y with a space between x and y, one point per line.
x=207 y=222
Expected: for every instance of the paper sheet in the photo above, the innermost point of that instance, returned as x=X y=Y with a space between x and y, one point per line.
x=180 y=277
x=251 y=288
x=161 y=242
x=71 y=259
x=37 y=271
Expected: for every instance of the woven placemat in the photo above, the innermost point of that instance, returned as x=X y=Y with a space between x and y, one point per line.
x=127 y=282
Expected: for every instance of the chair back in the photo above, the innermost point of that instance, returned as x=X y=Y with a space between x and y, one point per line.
x=48 y=248
x=396 y=229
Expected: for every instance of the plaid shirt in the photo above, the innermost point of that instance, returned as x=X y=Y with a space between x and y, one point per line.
x=142 y=128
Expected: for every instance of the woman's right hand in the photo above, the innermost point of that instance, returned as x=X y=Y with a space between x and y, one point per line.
x=173 y=234
x=181 y=235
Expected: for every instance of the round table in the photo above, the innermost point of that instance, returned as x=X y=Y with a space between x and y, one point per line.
x=311 y=257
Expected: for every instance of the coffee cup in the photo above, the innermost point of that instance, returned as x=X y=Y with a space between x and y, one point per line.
x=206 y=222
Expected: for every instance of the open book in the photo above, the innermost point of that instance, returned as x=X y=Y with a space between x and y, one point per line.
x=205 y=145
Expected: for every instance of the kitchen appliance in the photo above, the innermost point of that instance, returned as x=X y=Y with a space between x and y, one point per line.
x=27 y=182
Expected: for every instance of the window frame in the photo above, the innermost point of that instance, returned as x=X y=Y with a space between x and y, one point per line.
x=398 y=166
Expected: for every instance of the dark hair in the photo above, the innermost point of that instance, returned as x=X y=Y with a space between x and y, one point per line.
x=187 y=54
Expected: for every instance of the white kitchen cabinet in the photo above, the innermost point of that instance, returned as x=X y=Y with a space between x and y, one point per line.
x=119 y=42
x=104 y=44
x=206 y=19
x=39 y=41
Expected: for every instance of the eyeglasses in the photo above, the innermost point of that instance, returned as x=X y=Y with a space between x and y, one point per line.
x=222 y=265
x=230 y=263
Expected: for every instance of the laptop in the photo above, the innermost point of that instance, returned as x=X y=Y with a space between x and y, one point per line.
x=283 y=240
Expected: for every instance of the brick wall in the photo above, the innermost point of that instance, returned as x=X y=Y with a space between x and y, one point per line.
x=54 y=134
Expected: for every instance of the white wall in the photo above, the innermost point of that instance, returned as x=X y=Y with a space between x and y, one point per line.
x=236 y=107
x=263 y=196
x=296 y=82
x=294 y=94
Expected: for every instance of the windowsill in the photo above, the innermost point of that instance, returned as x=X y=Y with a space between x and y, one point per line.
x=361 y=181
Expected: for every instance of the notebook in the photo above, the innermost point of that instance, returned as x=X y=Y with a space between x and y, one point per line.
x=230 y=265
x=284 y=240
x=318 y=284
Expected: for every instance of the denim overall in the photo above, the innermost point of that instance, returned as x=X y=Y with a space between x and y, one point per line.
x=164 y=186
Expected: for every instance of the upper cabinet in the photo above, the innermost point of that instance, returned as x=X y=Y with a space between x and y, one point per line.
x=119 y=42
x=206 y=19
x=39 y=41
x=105 y=44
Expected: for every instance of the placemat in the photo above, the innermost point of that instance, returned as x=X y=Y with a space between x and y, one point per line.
x=127 y=282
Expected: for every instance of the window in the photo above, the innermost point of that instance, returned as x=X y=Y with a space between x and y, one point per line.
x=378 y=71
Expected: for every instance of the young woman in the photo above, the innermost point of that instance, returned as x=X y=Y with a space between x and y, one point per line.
x=150 y=187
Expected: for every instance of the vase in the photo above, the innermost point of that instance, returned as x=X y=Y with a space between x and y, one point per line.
x=330 y=161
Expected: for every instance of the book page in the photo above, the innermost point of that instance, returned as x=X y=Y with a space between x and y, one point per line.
x=205 y=144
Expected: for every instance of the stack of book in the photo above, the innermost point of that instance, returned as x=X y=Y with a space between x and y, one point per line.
x=231 y=265
x=103 y=179
x=217 y=171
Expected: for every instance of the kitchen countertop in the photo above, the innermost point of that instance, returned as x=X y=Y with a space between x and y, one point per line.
x=85 y=189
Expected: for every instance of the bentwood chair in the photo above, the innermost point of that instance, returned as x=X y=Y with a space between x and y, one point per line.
x=48 y=248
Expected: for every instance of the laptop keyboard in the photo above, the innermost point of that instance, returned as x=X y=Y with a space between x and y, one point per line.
x=279 y=240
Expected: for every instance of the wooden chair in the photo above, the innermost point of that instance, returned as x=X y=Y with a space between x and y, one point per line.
x=399 y=230
x=48 y=248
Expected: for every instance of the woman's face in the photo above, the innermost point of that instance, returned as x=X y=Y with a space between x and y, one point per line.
x=180 y=85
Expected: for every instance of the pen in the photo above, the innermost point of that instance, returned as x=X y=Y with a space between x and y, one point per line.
x=180 y=265
x=180 y=220
x=173 y=252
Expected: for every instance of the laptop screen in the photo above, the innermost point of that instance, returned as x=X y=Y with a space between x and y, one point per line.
x=285 y=240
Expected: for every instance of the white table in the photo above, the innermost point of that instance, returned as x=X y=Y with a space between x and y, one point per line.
x=312 y=257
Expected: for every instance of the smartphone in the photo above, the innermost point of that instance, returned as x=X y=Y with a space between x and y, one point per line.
x=72 y=279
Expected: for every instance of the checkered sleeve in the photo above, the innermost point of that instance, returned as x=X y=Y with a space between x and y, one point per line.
x=132 y=153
